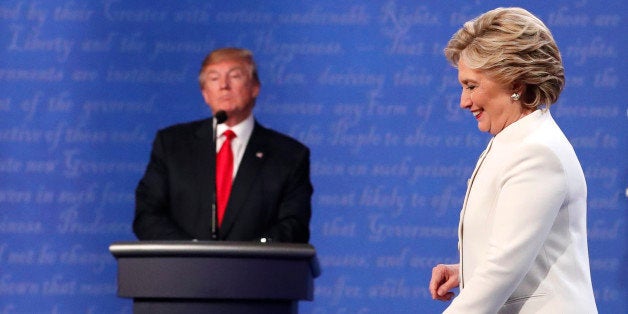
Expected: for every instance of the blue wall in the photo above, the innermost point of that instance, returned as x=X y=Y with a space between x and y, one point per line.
x=84 y=86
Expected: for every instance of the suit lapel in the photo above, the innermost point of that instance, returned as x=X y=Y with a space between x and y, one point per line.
x=464 y=208
x=203 y=177
x=247 y=174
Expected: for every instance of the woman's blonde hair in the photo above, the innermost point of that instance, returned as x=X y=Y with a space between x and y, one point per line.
x=511 y=45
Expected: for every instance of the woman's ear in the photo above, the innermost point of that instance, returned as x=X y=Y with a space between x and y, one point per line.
x=518 y=87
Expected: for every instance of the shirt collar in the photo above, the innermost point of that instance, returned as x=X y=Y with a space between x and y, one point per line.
x=523 y=127
x=242 y=130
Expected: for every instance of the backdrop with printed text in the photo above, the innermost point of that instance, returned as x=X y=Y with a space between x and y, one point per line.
x=85 y=85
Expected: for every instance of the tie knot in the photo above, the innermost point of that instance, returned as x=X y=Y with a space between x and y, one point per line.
x=229 y=134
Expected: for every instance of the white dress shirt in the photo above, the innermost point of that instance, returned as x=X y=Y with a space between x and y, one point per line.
x=243 y=131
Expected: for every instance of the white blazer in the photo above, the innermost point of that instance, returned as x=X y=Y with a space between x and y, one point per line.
x=522 y=233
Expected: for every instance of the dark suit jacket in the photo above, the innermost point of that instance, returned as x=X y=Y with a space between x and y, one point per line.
x=270 y=197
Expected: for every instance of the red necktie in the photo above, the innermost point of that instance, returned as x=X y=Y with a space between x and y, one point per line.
x=224 y=174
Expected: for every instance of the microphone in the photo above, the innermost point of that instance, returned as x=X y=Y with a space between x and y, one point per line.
x=219 y=117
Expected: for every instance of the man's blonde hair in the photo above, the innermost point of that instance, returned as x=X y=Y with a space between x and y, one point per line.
x=229 y=53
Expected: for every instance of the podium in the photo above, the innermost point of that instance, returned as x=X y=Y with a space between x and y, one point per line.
x=215 y=276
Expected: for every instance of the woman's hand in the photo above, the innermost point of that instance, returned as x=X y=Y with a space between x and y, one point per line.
x=444 y=278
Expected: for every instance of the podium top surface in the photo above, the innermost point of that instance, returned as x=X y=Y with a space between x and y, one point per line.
x=211 y=248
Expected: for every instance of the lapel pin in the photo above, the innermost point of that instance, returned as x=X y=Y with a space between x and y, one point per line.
x=259 y=155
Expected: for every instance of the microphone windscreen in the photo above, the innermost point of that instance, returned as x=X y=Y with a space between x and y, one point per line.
x=220 y=116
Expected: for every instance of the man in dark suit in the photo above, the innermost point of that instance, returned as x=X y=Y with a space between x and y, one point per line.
x=271 y=193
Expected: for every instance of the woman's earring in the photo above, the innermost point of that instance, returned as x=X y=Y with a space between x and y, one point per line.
x=515 y=96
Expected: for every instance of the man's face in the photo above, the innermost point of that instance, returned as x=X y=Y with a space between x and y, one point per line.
x=228 y=85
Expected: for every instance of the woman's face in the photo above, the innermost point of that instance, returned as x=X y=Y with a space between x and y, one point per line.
x=489 y=102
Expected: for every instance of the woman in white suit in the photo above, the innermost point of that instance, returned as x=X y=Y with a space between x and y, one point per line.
x=522 y=232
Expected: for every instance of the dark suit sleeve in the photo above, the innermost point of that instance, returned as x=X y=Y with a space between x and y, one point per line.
x=152 y=220
x=295 y=209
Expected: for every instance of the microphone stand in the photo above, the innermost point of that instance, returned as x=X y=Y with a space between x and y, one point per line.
x=218 y=118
